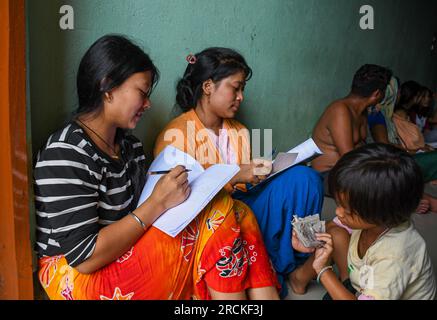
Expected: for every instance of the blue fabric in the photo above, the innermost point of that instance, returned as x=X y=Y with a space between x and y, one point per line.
x=374 y=118
x=296 y=191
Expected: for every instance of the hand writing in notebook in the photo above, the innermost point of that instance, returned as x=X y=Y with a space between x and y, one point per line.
x=172 y=188
x=253 y=173
x=163 y=172
x=188 y=187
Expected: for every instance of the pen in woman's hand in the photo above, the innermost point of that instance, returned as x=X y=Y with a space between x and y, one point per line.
x=273 y=152
x=151 y=173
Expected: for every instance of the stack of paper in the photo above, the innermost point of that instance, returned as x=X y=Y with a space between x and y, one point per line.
x=204 y=184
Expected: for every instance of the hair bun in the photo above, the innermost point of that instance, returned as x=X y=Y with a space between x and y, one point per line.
x=191 y=58
x=185 y=95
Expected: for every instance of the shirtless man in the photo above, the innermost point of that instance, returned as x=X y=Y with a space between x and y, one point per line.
x=343 y=125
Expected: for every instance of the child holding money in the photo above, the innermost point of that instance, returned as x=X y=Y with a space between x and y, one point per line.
x=377 y=187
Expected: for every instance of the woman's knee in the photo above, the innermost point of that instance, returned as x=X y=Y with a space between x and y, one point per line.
x=301 y=175
x=305 y=181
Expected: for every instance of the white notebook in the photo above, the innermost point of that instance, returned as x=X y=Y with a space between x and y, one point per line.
x=305 y=150
x=298 y=154
x=204 y=184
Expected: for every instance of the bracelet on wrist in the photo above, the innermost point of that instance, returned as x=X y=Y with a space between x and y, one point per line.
x=319 y=275
x=142 y=224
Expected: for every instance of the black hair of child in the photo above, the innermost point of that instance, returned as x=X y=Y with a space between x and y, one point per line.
x=380 y=183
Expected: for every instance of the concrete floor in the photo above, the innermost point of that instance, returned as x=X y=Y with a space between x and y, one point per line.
x=426 y=224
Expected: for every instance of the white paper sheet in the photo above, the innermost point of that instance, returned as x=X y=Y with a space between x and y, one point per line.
x=298 y=154
x=305 y=150
x=204 y=184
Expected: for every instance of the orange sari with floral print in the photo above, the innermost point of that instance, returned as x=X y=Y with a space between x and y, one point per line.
x=222 y=248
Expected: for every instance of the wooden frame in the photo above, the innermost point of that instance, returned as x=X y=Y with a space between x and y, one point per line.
x=15 y=246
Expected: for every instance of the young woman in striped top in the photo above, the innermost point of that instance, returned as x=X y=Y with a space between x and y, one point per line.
x=92 y=240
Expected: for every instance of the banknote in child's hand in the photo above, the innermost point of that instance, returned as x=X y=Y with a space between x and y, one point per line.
x=306 y=229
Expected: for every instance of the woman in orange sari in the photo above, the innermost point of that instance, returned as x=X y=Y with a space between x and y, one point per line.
x=94 y=242
x=210 y=94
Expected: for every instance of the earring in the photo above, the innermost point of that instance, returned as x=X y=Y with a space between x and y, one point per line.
x=109 y=96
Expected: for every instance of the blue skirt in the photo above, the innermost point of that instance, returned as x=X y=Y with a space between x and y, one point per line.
x=296 y=191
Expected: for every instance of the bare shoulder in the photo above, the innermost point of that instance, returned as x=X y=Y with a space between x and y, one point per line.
x=339 y=107
x=337 y=111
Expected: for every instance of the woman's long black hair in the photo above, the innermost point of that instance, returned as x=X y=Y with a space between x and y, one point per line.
x=109 y=62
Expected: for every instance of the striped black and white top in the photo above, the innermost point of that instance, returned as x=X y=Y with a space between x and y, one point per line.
x=79 y=189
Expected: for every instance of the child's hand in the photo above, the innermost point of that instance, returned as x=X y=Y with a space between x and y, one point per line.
x=298 y=246
x=323 y=254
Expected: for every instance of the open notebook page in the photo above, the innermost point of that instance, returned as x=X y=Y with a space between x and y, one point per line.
x=283 y=161
x=169 y=158
x=203 y=190
x=305 y=150
x=205 y=184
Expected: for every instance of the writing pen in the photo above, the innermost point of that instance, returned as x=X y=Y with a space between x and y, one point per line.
x=273 y=152
x=164 y=172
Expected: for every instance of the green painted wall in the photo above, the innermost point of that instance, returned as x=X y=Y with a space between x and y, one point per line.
x=303 y=53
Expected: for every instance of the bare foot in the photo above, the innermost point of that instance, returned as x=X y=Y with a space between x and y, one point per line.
x=424 y=206
x=432 y=202
x=298 y=286
x=433 y=205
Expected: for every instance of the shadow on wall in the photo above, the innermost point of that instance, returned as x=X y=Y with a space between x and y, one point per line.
x=47 y=71
x=45 y=87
